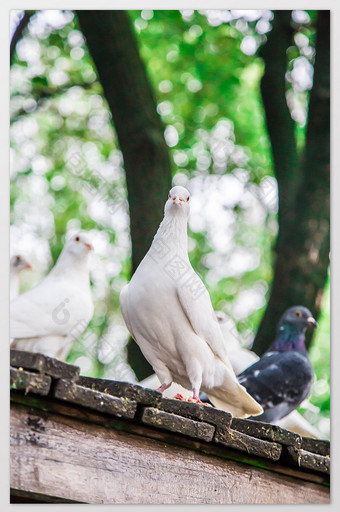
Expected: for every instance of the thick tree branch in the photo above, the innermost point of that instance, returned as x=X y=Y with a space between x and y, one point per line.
x=313 y=200
x=113 y=47
x=303 y=248
x=280 y=124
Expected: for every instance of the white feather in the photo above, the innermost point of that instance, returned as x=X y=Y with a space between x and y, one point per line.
x=240 y=358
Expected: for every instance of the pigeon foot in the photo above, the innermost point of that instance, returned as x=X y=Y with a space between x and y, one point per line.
x=163 y=387
x=179 y=397
x=195 y=400
x=190 y=399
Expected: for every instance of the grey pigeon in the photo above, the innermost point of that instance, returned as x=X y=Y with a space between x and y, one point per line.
x=283 y=377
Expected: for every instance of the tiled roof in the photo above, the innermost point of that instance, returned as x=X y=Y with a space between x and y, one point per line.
x=213 y=431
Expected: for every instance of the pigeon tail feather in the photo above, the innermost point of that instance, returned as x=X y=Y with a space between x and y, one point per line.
x=241 y=406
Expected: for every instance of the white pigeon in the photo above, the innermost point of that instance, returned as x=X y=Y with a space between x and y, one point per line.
x=51 y=315
x=168 y=311
x=240 y=358
x=17 y=264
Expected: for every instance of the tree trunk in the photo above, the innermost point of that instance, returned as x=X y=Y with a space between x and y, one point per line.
x=302 y=249
x=113 y=47
x=280 y=124
x=18 y=33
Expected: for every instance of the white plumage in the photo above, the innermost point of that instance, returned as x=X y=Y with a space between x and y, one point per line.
x=51 y=315
x=240 y=358
x=152 y=382
x=168 y=312
x=17 y=264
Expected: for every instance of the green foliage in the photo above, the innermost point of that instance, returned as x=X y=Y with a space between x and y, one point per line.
x=200 y=76
x=67 y=171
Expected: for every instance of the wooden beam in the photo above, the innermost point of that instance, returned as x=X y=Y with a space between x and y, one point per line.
x=44 y=407
x=63 y=457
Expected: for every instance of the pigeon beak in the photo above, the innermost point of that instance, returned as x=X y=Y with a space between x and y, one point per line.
x=312 y=322
x=176 y=200
x=89 y=247
x=28 y=266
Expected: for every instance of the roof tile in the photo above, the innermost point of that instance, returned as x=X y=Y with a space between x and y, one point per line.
x=71 y=392
x=30 y=382
x=178 y=424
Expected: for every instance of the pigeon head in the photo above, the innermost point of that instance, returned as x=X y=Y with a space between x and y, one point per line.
x=299 y=317
x=178 y=201
x=78 y=246
x=221 y=317
x=19 y=263
x=292 y=328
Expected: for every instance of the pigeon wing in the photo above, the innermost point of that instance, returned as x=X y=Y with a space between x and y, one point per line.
x=278 y=381
x=48 y=309
x=123 y=301
x=196 y=304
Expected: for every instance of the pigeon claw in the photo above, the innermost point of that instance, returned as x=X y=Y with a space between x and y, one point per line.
x=195 y=400
x=179 y=397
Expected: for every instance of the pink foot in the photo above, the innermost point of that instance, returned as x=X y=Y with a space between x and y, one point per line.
x=163 y=387
x=195 y=400
x=179 y=397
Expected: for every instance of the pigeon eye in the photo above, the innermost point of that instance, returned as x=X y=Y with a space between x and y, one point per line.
x=298 y=314
x=188 y=199
x=77 y=239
